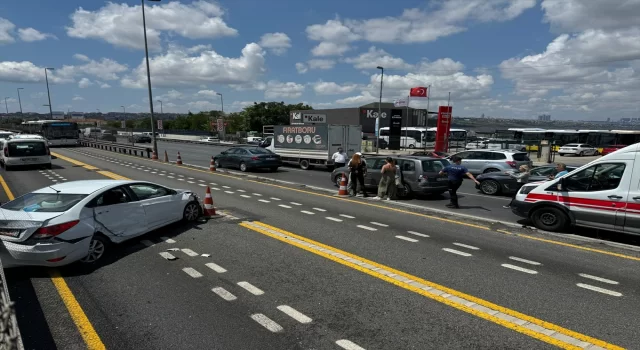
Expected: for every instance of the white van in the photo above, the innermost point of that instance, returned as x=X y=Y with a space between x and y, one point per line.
x=604 y=194
x=21 y=150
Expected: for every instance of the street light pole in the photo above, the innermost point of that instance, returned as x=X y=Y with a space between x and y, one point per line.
x=20 y=101
x=48 y=93
x=146 y=53
x=5 y=104
x=161 y=112
x=124 y=110
x=221 y=101
x=379 y=112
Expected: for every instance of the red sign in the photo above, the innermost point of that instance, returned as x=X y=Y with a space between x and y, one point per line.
x=444 y=128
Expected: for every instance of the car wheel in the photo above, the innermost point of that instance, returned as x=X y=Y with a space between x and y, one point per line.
x=7 y=167
x=191 y=212
x=561 y=154
x=491 y=170
x=337 y=180
x=97 y=248
x=550 y=219
x=412 y=146
x=490 y=187
x=274 y=169
x=581 y=154
x=217 y=164
x=48 y=166
x=243 y=167
x=596 y=153
x=304 y=164
x=404 y=191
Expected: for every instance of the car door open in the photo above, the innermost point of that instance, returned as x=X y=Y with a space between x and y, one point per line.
x=117 y=215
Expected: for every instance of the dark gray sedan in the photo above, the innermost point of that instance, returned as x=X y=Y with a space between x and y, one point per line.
x=500 y=183
x=245 y=158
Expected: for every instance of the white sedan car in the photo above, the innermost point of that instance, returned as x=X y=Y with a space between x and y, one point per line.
x=578 y=149
x=78 y=220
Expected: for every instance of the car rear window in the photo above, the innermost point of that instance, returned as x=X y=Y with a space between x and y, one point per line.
x=434 y=166
x=571 y=145
x=260 y=151
x=44 y=202
x=521 y=157
x=27 y=149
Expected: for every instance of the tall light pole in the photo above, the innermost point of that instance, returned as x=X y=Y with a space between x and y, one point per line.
x=48 y=93
x=5 y=104
x=146 y=53
x=124 y=110
x=20 y=101
x=161 y=112
x=379 y=112
x=221 y=101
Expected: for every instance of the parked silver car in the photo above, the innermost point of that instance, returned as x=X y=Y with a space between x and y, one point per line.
x=488 y=160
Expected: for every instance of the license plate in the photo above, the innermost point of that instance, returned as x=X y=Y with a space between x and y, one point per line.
x=271 y=158
x=10 y=233
x=443 y=179
x=28 y=159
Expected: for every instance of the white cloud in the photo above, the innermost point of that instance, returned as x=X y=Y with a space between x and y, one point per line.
x=171 y=95
x=11 y=100
x=321 y=64
x=27 y=72
x=103 y=85
x=177 y=68
x=579 y=15
x=239 y=105
x=77 y=98
x=276 y=89
x=203 y=106
x=301 y=68
x=6 y=31
x=84 y=83
x=121 y=24
x=359 y=100
x=331 y=88
x=442 y=19
x=377 y=57
x=207 y=93
x=81 y=57
x=198 y=48
x=277 y=43
x=30 y=35
x=38 y=95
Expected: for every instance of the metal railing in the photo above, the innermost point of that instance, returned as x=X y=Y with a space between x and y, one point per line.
x=9 y=333
x=118 y=147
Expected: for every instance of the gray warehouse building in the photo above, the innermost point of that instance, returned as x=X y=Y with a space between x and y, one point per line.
x=363 y=115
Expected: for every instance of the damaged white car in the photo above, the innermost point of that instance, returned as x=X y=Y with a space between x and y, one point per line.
x=79 y=220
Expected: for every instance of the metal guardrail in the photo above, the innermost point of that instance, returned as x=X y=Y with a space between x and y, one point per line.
x=9 y=332
x=118 y=147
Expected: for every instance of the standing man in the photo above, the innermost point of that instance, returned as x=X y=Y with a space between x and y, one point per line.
x=339 y=158
x=456 y=174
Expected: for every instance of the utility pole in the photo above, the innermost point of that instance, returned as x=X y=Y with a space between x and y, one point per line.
x=20 y=101
x=379 y=111
x=48 y=93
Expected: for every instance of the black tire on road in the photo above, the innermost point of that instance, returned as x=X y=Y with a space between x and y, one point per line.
x=550 y=219
x=243 y=167
x=337 y=180
x=490 y=187
x=304 y=164
x=98 y=248
x=581 y=154
x=274 y=169
x=404 y=191
x=191 y=212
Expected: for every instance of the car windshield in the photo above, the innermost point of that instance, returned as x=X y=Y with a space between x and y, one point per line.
x=260 y=151
x=44 y=202
x=571 y=145
x=27 y=149
x=521 y=157
x=434 y=166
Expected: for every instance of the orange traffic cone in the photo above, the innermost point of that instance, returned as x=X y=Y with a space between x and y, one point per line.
x=154 y=156
x=212 y=165
x=179 y=160
x=166 y=157
x=343 y=186
x=209 y=209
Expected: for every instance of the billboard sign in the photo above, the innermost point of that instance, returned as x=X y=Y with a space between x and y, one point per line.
x=220 y=125
x=395 y=129
x=444 y=127
x=314 y=118
x=159 y=124
x=305 y=137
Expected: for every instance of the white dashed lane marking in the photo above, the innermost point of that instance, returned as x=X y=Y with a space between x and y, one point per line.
x=367 y=228
x=226 y=187
x=215 y=267
x=348 y=345
x=251 y=288
x=466 y=246
x=285 y=206
x=189 y=252
x=192 y=272
x=257 y=194
x=295 y=314
x=379 y=224
x=599 y=279
x=229 y=192
x=294 y=203
x=418 y=234
x=319 y=209
x=599 y=290
x=307 y=212
x=530 y=262
x=245 y=196
x=167 y=240
x=202 y=185
x=224 y=294
x=241 y=190
x=275 y=199
x=264 y=201
x=453 y=251
x=347 y=216
x=167 y=256
x=521 y=269
x=333 y=219
x=267 y=323
x=407 y=239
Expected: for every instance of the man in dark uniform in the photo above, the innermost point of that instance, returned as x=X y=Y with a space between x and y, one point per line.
x=456 y=172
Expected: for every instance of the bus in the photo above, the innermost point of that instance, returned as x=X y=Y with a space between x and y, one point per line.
x=57 y=132
x=597 y=138
x=421 y=137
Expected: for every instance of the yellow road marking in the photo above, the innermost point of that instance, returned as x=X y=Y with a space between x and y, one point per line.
x=6 y=189
x=387 y=208
x=112 y=175
x=88 y=333
x=459 y=306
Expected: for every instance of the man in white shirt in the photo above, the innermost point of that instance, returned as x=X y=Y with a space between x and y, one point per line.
x=339 y=158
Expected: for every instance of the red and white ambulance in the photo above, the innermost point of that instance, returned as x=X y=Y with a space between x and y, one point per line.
x=604 y=194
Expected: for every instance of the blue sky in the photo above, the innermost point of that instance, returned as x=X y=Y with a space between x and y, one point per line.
x=513 y=58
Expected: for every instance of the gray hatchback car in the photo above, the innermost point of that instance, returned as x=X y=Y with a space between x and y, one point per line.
x=420 y=175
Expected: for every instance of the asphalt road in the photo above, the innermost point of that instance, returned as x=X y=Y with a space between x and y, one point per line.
x=454 y=284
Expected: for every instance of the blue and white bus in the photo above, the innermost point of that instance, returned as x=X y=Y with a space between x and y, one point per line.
x=57 y=132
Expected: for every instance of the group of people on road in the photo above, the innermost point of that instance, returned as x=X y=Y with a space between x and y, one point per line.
x=387 y=188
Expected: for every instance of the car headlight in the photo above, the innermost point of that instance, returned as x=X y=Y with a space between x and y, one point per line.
x=526 y=189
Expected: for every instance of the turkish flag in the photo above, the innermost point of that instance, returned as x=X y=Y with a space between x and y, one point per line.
x=419 y=91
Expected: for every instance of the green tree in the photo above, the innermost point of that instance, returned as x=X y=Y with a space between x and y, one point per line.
x=270 y=113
